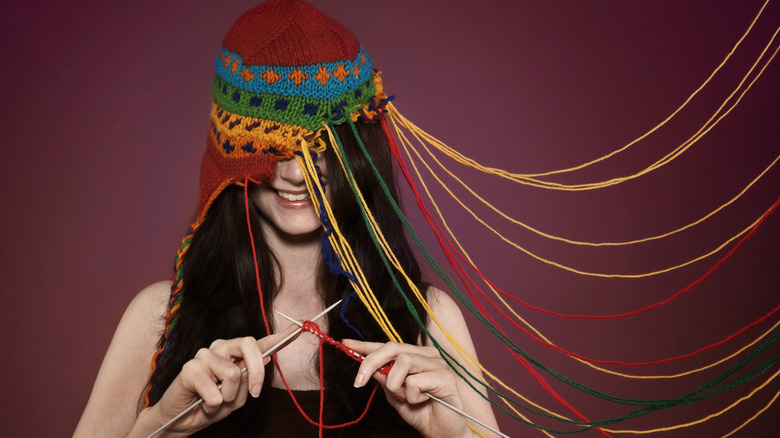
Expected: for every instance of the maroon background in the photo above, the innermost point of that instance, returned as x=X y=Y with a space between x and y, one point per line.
x=105 y=118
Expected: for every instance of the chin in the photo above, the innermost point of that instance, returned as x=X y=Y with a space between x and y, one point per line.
x=299 y=228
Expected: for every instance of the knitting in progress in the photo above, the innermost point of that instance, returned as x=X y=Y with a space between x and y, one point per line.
x=290 y=81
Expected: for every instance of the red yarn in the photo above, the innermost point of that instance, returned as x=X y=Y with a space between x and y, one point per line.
x=313 y=328
x=312 y=422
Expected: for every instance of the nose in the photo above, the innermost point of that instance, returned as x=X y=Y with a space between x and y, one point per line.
x=290 y=171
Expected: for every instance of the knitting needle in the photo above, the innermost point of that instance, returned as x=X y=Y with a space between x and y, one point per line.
x=436 y=399
x=267 y=353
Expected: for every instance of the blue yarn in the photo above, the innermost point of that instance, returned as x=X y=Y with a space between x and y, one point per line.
x=373 y=104
x=344 y=317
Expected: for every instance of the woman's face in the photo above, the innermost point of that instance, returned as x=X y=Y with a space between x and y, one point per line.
x=284 y=202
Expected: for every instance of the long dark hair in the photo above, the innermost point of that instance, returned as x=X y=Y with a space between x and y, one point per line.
x=221 y=301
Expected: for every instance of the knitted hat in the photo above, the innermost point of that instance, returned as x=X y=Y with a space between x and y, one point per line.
x=285 y=69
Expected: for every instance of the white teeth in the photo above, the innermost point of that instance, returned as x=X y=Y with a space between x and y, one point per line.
x=291 y=197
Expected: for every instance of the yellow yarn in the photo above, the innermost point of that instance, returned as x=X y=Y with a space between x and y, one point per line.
x=701 y=420
x=674 y=113
x=404 y=141
x=528 y=179
x=563 y=239
x=756 y=415
x=369 y=299
x=343 y=249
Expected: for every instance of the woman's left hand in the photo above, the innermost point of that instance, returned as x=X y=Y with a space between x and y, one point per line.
x=415 y=370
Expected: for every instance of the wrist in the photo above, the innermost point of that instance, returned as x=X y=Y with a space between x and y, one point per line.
x=465 y=432
x=149 y=421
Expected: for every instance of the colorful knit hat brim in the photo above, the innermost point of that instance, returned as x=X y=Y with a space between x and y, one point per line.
x=285 y=70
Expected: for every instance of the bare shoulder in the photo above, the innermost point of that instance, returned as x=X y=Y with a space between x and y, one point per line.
x=441 y=303
x=144 y=319
x=113 y=404
x=448 y=318
x=151 y=303
x=153 y=298
x=448 y=315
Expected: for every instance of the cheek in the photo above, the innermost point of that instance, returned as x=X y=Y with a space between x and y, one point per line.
x=261 y=195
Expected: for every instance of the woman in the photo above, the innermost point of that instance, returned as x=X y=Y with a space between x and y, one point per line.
x=287 y=78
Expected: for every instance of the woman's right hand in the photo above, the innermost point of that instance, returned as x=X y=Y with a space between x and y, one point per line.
x=200 y=379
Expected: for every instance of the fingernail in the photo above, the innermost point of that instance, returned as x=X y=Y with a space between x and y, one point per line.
x=360 y=380
x=255 y=391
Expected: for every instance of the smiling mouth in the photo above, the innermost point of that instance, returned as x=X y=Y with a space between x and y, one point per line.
x=293 y=197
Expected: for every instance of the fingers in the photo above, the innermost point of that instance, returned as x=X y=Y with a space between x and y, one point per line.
x=413 y=374
x=417 y=375
x=200 y=376
x=216 y=372
x=379 y=355
x=241 y=352
x=415 y=370
x=215 y=376
x=197 y=378
x=362 y=347
x=248 y=352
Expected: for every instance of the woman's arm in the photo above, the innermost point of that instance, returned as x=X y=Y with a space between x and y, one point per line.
x=113 y=404
x=214 y=376
x=450 y=316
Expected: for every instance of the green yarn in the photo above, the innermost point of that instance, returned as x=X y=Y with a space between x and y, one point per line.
x=307 y=112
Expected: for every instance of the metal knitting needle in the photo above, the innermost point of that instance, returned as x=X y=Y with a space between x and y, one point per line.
x=434 y=398
x=270 y=351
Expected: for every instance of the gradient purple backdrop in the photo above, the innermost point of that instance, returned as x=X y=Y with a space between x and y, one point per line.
x=105 y=120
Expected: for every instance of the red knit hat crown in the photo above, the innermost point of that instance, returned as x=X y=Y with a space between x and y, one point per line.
x=289 y=33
